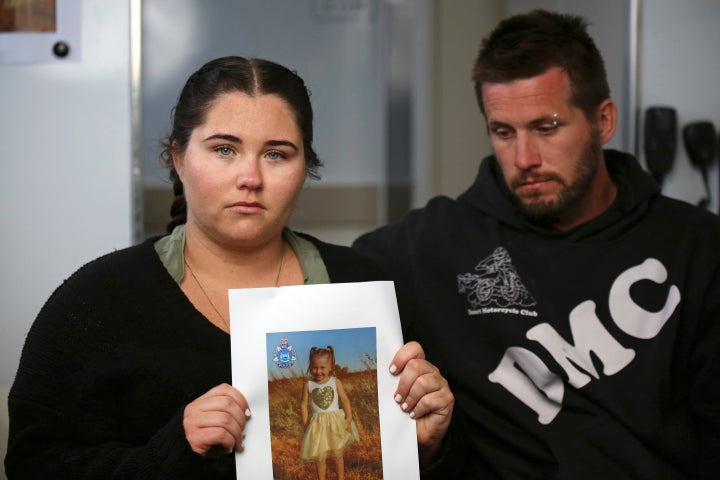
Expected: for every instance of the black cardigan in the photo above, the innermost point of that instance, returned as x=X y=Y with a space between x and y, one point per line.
x=109 y=365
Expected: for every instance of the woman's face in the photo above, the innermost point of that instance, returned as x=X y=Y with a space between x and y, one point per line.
x=243 y=170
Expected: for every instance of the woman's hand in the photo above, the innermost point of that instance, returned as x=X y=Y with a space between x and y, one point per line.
x=214 y=422
x=424 y=393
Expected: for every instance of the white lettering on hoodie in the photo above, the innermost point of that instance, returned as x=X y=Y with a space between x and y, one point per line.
x=524 y=374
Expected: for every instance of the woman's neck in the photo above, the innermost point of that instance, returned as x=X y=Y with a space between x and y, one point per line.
x=258 y=265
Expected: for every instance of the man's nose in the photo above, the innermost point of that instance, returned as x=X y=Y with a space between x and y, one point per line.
x=526 y=154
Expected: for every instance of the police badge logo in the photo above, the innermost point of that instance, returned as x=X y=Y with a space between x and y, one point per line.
x=284 y=354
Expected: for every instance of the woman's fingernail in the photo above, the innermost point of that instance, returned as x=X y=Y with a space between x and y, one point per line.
x=247 y=412
x=412 y=414
x=393 y=368
x=404 y=406
x=398 y=398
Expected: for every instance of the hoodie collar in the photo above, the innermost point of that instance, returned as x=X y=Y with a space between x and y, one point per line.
x=636 y=187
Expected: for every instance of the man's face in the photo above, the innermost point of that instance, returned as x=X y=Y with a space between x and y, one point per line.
x=549 y=152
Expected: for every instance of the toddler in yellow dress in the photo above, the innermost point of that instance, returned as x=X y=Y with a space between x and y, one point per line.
x=330 y=430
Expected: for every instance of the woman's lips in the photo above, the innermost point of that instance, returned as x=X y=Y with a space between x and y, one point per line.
x=247 y=207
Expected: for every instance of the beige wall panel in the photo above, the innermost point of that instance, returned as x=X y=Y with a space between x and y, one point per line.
x=459 y=138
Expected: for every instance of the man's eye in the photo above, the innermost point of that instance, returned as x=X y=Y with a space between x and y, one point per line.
x=503 y=133
x=547 y=128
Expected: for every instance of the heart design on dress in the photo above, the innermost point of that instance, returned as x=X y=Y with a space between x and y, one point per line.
x=322 y=397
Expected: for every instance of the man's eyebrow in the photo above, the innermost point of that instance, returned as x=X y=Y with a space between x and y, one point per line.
x=495 y=123
x=534 y=123
x=547 y=119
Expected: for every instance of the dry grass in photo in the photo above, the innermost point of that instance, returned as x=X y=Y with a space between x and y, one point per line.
x=363 y=461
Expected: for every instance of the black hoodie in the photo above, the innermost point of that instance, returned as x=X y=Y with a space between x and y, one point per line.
x=591 y=353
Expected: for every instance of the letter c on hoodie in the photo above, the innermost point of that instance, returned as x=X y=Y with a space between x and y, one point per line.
x=630 y=317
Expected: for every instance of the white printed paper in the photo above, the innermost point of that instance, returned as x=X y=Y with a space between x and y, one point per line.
x=272 y=331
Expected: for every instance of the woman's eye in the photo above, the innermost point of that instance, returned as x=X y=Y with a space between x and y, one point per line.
x=224 y=150
x=275 y=155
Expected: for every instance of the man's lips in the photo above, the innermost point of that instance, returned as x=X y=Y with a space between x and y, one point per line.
x=532 y=183
x=531 y=186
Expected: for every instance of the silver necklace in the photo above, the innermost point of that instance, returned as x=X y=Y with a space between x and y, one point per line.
x=226 y=324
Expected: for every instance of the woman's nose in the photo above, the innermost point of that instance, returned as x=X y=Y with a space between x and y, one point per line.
x=249 y=175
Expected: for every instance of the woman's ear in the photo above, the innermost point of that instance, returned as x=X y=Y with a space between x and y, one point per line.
x=177 y=160
x=607 y=120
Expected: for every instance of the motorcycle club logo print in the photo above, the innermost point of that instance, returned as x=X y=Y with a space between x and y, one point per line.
x=284 y=354
x=495 y=287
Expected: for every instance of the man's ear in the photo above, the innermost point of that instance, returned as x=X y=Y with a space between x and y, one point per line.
x=607 y=120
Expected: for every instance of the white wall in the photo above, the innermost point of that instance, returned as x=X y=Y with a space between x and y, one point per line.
x=680 y=67
x=65 y=149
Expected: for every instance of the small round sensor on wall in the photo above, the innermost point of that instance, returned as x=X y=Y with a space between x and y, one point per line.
x=61 y=49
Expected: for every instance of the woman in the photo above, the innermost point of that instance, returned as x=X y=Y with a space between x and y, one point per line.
x=125 y=372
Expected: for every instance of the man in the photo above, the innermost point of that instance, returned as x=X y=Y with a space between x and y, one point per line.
x=573 y=308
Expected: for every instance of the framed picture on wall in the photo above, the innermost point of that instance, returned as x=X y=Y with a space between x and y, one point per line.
x=39 y=31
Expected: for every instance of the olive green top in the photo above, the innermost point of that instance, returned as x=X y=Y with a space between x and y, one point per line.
x=171 y=250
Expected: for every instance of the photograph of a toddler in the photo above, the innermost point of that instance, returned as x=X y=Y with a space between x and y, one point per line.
x=329 y=430
x=323 y=399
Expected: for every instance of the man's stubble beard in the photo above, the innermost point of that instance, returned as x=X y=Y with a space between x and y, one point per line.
x=563 y=203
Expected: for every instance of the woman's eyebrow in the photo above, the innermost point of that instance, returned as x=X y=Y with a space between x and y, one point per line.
x=223 y=136
x=281 y=143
